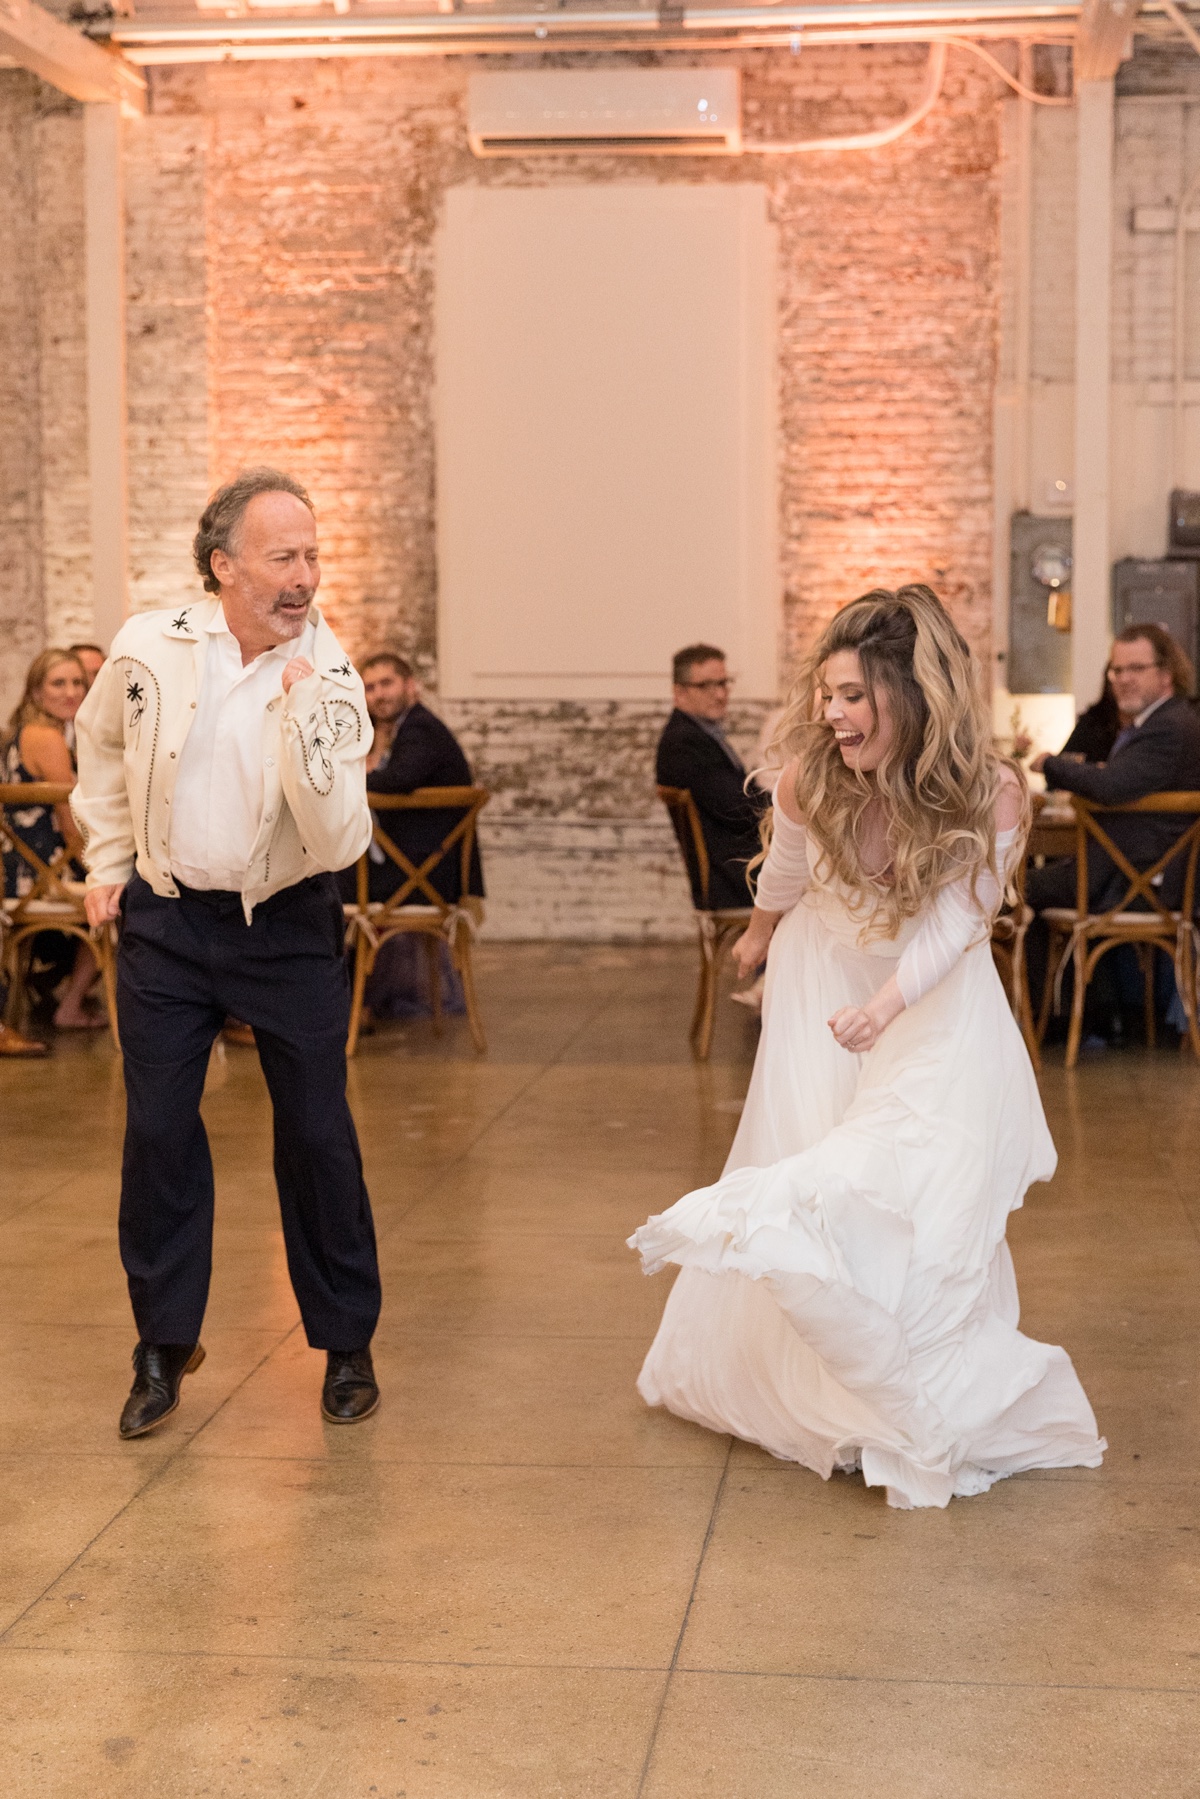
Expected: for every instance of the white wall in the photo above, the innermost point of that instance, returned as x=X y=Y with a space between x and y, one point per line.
x=606 y=438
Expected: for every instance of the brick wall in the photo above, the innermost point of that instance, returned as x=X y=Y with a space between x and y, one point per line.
x=281 y=223
x=22 y=606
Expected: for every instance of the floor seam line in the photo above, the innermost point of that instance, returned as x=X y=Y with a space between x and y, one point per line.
x=683 y=1624
x=156 y=1474
x=385 y=1661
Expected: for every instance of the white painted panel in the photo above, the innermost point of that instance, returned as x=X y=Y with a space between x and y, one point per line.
x=606 y=438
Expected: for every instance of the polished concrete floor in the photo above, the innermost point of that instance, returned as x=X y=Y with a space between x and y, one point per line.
x=515 y=1582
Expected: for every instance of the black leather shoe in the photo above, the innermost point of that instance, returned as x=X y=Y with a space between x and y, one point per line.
x=158 y=1369
x=350 y=1391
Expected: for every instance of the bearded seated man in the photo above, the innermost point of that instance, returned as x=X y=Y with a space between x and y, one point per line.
x=1157 y=751
x=411 y=748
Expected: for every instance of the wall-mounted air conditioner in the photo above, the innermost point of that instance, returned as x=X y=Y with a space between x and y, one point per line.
x=642 y=112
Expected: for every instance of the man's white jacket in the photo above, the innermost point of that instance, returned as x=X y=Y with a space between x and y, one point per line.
x=132 y=727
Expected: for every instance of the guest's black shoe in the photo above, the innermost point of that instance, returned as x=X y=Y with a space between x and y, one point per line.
x=158 y=1369
x=350 y=1391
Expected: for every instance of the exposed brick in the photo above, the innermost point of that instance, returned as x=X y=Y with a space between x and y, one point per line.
x=281 y=224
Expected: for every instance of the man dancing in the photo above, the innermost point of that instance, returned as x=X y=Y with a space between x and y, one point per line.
x=222 y=751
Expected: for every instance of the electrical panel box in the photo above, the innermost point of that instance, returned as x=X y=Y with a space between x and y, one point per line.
x=1039 y=642
x=1183 y=524
x=1158 y=593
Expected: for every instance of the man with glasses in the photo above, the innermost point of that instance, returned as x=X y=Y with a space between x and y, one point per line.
x=695 y=753
x=1157 y=750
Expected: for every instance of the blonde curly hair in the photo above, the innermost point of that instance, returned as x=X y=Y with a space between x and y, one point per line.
x=940 y=776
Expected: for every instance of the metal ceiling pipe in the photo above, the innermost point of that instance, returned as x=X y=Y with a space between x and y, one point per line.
x=505 y=33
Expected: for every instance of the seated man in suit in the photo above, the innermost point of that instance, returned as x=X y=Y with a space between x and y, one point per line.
x=1157 y=751
x=694 y=752
x=412 y=748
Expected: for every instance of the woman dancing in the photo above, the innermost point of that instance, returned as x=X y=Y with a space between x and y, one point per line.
x=847 y=1297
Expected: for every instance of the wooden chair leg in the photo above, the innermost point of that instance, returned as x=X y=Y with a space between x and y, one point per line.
x=1021 y=1001
x=1075 y=1035
x=11 y=968
x=1186 y=964
x=461 y=951
x=18 y=958
x=1148 y=971
x=707 y=998
x=701 y=996
x=1053 y=951
x=362 y=951
x=433 y=968
x=103 y=949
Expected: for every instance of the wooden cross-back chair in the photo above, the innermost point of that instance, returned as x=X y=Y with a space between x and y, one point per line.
x=716 y=926
x=1140 y=917
x=1010 y=928
x=54 y=902
x=416 y=908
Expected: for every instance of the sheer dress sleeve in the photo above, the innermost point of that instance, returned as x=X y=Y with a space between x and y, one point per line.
x=956 y=920
x=785 y=875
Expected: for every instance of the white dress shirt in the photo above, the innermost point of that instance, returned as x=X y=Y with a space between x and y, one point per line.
x=217 y=808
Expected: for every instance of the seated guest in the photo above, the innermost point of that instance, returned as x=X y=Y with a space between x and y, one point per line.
x=1157 y=751
x=35 y=748
x=1097 y=729
x=412 y=748
x=694 y=752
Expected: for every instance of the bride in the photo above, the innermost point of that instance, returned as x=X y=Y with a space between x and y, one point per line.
x=847 y=1297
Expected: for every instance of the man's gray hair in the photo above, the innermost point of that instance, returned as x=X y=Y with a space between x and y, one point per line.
x=223 y=515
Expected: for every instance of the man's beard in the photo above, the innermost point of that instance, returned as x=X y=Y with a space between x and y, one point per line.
x=292 y=622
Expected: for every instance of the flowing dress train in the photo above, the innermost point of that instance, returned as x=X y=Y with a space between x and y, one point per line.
x=846 y=1296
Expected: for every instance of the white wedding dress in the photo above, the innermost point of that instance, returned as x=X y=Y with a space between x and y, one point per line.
x=847 y=1297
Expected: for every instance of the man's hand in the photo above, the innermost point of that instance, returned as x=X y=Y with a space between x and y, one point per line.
x=102 y=904
x=297 y=669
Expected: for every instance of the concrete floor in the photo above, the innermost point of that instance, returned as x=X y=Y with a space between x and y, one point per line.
x=515 y=1582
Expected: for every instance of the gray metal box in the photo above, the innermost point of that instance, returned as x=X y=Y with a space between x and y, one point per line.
x=1158 y=593
x=1039 y=655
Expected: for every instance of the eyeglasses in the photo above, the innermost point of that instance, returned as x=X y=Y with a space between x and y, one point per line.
x=1130 y=668
x=709 y=686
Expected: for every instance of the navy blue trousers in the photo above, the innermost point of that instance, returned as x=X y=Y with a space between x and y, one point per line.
x=182 y=966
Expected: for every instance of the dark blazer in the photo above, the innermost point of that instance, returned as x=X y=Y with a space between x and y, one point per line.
x=689 y=757
x=424 y=753
x=1095 y=732
x=1162 y=756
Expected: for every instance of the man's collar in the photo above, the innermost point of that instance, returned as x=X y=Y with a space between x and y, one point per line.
x=187 y=623
x=208 y=616
x=1154 y=705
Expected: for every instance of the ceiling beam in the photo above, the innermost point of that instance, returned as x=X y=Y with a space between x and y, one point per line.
x=34 y=39
x=1104 y=38
x=504 y=30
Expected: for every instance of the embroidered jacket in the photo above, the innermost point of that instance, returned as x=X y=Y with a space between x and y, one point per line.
x=134 y=723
